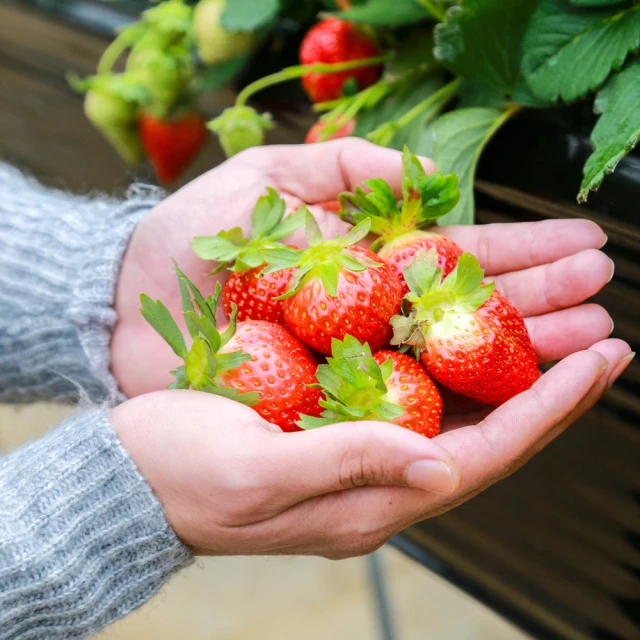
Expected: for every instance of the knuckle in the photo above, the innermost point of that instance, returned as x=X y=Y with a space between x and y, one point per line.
x=359 y=469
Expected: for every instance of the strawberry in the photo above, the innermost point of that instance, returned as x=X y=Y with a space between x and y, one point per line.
x=333 y=41
x=112 y=104
x=399 y=226
x=257 y=363
x=387 y=386
x=216 y=44
x=240 y=127
x=340 y=289
x=321 y=131
x=171 y=144
x=253 y=292
x=469 y=337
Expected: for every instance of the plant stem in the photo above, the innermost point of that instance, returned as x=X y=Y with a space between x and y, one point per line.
x=436 y=11
x=115 y=50
x=436 y=101
x=291 y=73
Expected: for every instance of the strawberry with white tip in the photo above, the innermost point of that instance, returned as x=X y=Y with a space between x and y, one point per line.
x=468 y=336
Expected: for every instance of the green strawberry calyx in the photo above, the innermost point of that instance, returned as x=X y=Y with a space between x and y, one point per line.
x=435 y=302
x=232 y=249
x=354 y=387
x=325 y=259
x=205 y=360
x=424 y=199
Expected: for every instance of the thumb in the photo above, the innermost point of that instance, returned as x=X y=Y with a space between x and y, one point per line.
x=355 y=454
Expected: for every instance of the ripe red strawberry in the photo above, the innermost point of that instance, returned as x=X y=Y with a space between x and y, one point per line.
x=387 y=386
x=340 y=289
x=470 y=338
x=253 y=292
x=257 y=363
x=320 y=131
x=171 y=144
x=333 y=41
x=399 y=225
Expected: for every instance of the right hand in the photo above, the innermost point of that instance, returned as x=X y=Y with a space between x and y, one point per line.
x=233 y=484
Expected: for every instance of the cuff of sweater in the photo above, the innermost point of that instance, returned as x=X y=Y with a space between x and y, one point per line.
x=84 y=539
x=92 y=310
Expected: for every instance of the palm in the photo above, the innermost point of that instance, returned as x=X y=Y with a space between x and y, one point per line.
x=546 y=269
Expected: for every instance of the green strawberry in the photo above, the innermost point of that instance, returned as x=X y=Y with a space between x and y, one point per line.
x=239 y=128
x=216 y=44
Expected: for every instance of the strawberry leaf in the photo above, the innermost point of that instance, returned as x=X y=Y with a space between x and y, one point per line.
x=249 y=399
x=422 y=273
x=359 y=232
x=159 y=317
x=267 y=214
x=232 y=360
x=570 y=50
x=289 y=225
x=328 y=272
x=248 y=15
x=618 y=128
x=204 y=328
x=201 y=303
x=180 y=381
x=385 y=13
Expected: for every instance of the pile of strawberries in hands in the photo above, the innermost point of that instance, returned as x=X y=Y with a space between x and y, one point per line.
x=393 y=323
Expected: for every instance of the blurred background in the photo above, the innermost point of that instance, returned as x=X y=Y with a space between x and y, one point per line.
x=554 y=550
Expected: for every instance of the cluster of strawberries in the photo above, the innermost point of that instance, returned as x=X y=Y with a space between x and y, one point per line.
x=393 y=322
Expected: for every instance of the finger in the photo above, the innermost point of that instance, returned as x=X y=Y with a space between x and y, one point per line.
x=320 y=172
x=347 y=455
x=556 y=285
x=501 y=248
x=489 y=449
x=558 y=334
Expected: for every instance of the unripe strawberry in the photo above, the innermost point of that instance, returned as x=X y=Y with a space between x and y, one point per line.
x=239 y=128
x=216 y=44
x=111 y=105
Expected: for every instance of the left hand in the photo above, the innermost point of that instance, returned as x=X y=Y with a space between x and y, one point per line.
x=547 y=269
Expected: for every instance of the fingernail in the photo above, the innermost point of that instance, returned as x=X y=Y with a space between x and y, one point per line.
x=431 y=475
x=613 y=270
x=618 y=370
x=613 y=326
x=606 y=239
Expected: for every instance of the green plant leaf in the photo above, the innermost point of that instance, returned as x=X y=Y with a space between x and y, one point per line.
x=290 y=224
x=481 y=40
x=569 y=50
x=159 y=317
x=456 y=142
x=595 y=3
x=214 y=77
x=618 y=129
x=248 y=15
x=385 y=13
x=249 y=399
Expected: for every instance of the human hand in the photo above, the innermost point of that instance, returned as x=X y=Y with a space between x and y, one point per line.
x=233 y=484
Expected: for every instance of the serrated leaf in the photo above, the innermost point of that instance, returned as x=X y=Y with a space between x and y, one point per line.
x=159 y=317
x=385 y=13
x=359 y=232
x=457 y=140
x=466 y=276
x=224 y=247
x=618 y=129
x=569 y=50
x=481 y=40
x=213 y=77
x=201 y=303
x=248 y=15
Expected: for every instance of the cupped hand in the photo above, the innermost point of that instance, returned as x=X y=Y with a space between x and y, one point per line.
x=233 y=484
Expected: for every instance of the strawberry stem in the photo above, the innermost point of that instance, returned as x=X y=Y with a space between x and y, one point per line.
x=291 y=73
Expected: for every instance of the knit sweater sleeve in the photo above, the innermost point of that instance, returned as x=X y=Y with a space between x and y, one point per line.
x=59 y=261
x=83 y=540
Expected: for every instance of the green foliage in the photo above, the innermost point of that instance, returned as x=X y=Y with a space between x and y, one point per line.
x=617 y=130
x=385 y=13
x=570 y=50
x=481 y=40
x=455 y=142
x=354 y=386
x=248 y=15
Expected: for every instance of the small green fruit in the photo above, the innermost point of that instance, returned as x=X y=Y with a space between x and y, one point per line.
x=239 y=128
x=216 y=44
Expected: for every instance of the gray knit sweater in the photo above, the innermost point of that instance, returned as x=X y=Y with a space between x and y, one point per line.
x=83 y=540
